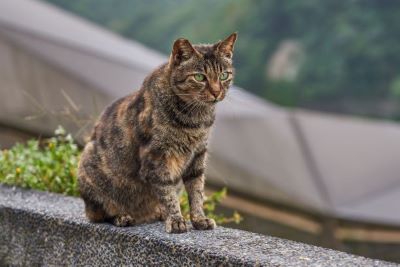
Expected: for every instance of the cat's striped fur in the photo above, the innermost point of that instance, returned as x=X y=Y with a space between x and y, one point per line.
x=146 y=144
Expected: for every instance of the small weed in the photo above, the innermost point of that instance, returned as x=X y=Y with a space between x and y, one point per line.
x=48 y=166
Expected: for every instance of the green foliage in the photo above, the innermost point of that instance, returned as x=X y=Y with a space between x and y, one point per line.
x=51 y=165
x=395 y=87
x=210 y=205
x=351 y=47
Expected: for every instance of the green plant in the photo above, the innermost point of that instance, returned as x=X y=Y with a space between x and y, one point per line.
x=51 y=165
x=210 y=205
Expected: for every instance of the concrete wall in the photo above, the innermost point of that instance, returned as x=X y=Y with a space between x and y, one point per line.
x=42 y=229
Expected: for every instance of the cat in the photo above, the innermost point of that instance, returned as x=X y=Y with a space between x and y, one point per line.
x=147 y=145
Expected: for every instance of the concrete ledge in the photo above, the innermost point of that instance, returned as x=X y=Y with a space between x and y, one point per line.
x=39 y=228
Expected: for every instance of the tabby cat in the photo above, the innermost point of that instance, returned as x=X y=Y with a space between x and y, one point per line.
x=146 y=144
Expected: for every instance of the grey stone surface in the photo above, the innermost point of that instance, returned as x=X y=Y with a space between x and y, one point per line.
x=39 y=228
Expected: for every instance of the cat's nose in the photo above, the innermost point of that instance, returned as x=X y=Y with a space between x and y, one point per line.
x=215 y=90
x=215 y=93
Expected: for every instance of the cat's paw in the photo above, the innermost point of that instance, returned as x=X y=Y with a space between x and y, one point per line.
x=123 y=220
x=203 y=223
x=176 y=225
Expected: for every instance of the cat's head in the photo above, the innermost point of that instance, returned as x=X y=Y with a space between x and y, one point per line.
x=202 y=73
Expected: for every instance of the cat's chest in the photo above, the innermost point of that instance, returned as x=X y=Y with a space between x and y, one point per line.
x=178 y=163
x=187 y=141
x=182 y=150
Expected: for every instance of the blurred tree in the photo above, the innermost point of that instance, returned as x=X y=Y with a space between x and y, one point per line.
x=351 y=53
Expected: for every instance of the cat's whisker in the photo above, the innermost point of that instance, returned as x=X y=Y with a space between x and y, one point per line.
x=185 y=107
x=196 y=107
x=193 y=102
x=176 y=94
x=173 y=93
x=193 y=107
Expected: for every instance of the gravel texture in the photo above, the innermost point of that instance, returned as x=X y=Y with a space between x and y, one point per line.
x=39 y=229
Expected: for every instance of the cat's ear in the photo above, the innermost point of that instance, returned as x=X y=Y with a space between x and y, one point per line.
x=182 y=50
x=225 y=47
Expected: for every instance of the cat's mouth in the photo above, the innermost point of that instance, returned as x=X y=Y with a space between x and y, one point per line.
x=216 y=99
x=213 y=100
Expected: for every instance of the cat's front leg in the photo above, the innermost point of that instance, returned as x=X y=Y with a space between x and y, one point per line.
x=157 y=173
x=174 y=222
x=194 y=180
x=195 y=190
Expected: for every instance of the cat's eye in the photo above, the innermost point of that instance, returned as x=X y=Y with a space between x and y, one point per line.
x=223 y=76
x=199 y=77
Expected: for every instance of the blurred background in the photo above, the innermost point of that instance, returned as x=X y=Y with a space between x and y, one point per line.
x=308 y=141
